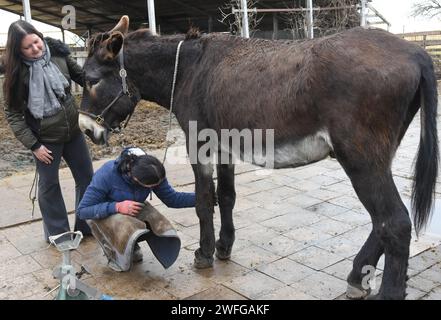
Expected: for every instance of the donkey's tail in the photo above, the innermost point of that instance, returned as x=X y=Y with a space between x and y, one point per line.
x=426 y=166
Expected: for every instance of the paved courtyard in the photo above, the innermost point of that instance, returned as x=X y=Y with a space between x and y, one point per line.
x=297 y=232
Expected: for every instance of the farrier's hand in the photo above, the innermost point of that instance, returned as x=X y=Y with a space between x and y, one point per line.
x=129 y=207
x=43 y=154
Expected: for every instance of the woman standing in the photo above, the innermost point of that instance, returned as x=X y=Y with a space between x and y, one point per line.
x=43 y=116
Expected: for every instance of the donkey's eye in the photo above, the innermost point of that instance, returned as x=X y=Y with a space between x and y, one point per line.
x=93 y=82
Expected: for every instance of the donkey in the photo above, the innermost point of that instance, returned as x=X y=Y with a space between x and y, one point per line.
x=352 y=95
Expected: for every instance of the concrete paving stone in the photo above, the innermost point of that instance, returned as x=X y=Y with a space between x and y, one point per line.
x=322 y=194
x=148 y=292
x=340 y=270
x=246 y=217
x=272 y=195
x=353 y=218
x=327 y=209
x=293 y=220
x=45 y=277
x=330 y=163
x=414 y=294
x=435 y=294
x=193 y=231
x=321 y=286
x=359 y=235
x=344 y=188
x=218 y=292
x=421 y=283
x=279 y=207
x=28 y=243
x=256 y=232
x=331 y=226
x=286 y=270
x=186 y=217
x=281 y=245
x=340 y=246
x=243 y=190
x=14 y=268
x=307 y=186
x=315 y=258
x=21 y=287
x=307 y=172
x=323 y=180
x=432 y=274
x=339 y=174
x=283 y=180
x=303 y=201
x=307 y=235
x=178 y=284
x=348 y=202
x=253 y=256
x=8 y=251
x=422 y=244
x=254 y=285
x=422 y=262
x=244 y=204
x=286 y=293
x=222 y=271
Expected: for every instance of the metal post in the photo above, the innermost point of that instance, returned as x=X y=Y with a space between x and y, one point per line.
x=363 y=13
x=152 y=20
x=27 y=10
x=275 y=26
x=63 y=35
x=245 y=29
x=309 y=19
x=210 y=24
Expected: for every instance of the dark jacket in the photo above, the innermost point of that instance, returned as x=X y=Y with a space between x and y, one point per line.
x=59 y=128
x=109 y=186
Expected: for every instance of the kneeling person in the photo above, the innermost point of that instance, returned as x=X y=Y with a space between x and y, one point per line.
x=116 y=208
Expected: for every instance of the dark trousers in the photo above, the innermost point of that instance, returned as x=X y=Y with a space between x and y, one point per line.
x=50 y=199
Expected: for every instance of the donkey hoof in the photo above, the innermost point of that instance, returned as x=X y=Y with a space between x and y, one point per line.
x=356 y=292
x=202 y=262
x=222 y=253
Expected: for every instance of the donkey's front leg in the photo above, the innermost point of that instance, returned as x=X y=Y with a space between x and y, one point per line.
x=227 y=197
x=205 y=209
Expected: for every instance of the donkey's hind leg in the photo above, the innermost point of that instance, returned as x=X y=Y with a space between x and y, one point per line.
x=227 y=198
x=391 y=231
x=369 y=255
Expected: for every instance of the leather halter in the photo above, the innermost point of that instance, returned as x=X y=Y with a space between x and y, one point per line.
x=99 y=119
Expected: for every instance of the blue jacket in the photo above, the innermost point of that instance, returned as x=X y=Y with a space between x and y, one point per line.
x=109 y=186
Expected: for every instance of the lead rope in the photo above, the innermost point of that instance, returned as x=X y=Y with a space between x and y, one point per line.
x=33 y=198
x=172 y=95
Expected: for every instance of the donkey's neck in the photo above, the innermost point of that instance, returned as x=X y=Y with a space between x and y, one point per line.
x=151 y=65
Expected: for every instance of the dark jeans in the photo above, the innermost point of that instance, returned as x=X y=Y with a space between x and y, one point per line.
x=50 y=199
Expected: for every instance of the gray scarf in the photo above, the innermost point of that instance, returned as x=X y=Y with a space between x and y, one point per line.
x=46 y=86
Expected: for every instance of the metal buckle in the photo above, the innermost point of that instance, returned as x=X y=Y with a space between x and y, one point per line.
x=122 y=73
x=99 y=119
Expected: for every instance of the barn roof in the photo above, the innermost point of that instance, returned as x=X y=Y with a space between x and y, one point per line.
x=172 y=16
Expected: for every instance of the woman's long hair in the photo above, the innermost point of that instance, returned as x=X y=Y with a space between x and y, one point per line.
x=12 y=90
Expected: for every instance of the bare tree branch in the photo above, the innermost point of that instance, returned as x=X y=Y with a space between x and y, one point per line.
x=427 y=8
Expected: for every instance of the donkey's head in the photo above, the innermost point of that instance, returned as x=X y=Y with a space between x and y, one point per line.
x=109 y=98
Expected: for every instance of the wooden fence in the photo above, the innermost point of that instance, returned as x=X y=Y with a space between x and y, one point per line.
x=431 y=42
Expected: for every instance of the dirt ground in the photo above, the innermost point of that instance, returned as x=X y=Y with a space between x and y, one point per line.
x=147 y=129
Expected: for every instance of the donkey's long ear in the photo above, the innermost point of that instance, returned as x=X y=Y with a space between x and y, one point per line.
x=111 y=46
x=122 y=26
